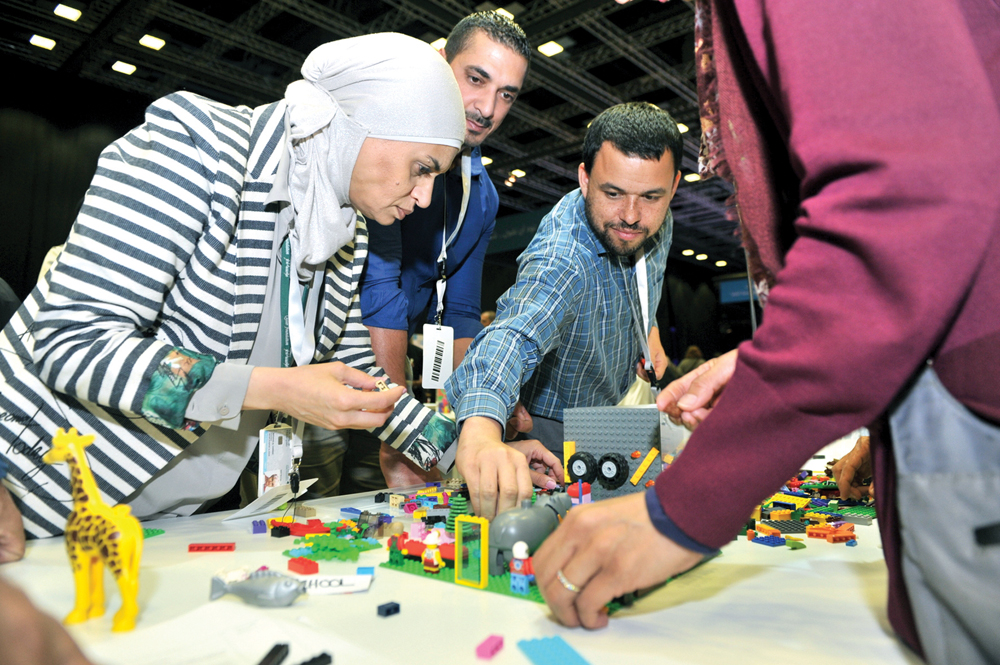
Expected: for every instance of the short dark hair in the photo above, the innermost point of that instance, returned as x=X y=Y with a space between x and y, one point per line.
x=638 y=129
x=497 y=27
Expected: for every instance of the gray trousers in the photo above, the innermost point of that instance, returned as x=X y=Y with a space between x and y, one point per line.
x=948 y=479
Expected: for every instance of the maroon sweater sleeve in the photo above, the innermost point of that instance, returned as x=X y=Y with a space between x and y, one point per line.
x=894 y=135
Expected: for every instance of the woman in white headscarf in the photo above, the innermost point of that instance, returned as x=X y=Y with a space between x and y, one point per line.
x=211 y=278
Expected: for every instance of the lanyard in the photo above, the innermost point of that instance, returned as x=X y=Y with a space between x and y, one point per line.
x=641 y=281
x=298 y=344
x=447 y=240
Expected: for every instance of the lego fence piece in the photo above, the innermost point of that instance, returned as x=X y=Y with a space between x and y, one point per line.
x=479 y=533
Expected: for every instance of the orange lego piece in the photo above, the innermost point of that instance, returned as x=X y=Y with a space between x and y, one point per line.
x=636 y=454
x=751 y=534
x=840 y=537
x=766 y=530
x=650 y=483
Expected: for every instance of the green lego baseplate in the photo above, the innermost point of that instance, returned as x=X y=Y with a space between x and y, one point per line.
x=329 y=547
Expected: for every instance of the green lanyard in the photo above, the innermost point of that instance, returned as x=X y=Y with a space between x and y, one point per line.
x=287 y=356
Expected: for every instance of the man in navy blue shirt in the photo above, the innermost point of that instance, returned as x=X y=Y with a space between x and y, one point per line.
x=489 y=54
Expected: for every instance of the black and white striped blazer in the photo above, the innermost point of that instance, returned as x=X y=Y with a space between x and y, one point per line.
x=171 y=248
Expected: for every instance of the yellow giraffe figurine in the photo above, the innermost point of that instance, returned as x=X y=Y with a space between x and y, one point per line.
x=97 y=535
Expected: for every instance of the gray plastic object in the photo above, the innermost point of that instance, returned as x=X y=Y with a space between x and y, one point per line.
x=532 y=524
x=609 y=435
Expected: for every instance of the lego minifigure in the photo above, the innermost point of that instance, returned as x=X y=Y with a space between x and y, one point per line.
x=522 y=572
x=433 y=562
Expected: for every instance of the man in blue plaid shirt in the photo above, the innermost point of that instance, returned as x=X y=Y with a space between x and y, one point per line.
x=570 y=331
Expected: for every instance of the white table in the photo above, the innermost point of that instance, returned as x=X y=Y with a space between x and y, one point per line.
x=825 y=603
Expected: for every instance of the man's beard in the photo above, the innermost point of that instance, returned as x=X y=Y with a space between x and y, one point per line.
x=473 y=141
x=607 y=239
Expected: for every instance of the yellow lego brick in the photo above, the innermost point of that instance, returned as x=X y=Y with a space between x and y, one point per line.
x=569 y=449
x=787 y=537
x=781 y=515
x=420 y=514
x=637 y=476
x=797 y=501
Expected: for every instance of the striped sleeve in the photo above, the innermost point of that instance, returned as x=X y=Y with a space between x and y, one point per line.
x=155 y=193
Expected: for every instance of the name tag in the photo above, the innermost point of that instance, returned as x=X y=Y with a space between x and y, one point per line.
x=439 y=351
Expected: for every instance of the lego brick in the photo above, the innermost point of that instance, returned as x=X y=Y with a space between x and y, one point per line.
x=786 y=526
x=350 y=513
x=303 y=566
x=211 y=547
x=259 y=526
x=764 y=530
x=602 y=430
x=852 y=543
x=770 y=541
x=388 y=609
x=366 y=570
x=152 y=533
x=569 y=449
x=489 y=647
x=304 y=511
x=280 y=532
x=795 y=544
x=550 y=651
x=856 y=519
x=652 y=455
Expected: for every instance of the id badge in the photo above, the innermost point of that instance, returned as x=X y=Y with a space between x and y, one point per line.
x=439 y=351
x=274 y=459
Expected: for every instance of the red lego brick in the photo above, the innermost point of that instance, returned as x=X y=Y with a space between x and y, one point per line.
x=303 y=566
x=211 y=547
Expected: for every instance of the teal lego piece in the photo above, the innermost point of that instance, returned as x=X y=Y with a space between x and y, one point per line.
x=152 y=533
x=329 y=547
x=550 y=651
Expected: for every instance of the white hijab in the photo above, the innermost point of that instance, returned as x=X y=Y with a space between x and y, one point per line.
x=387 y=86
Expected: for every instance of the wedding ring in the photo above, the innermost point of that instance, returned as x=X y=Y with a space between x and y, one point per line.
x=566 y=583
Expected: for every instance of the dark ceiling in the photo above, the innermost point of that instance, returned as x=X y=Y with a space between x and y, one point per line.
x=246 y=52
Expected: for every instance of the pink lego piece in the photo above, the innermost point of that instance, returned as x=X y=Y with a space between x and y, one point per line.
x=489 y=647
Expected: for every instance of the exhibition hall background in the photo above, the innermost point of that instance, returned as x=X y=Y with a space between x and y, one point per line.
x=53 y=128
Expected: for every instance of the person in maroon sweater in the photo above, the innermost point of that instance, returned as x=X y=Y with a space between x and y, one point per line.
x=863 y=141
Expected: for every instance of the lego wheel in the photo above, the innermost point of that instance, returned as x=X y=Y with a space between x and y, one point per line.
x=612 y=471
x=582 y=466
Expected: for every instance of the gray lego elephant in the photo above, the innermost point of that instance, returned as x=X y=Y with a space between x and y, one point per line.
x=530 y=523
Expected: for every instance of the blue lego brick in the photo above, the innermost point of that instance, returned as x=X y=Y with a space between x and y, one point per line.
x=259 y=526
x=795 y=493
x=770 y=541
x=388 y=609
x=366 y=570
x=821 y=503
x=300 y=551
x=852 y=543
x=350 y=511
x=550 y=651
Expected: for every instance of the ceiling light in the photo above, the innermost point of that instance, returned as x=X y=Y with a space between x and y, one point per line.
x=509 y=183
x=42 y=42
x=487 y=161
x=518 y=173
x=504 y=12
x=682 y=128
x=155 y=43
x=692 y=177
x=720 y=263
x=550 y=49
x=67 y=12
x=688 y=252
x=123 y=68
x=701 y=257
x=439 y=43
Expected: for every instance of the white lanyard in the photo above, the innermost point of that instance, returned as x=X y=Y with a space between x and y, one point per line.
x=642 y=283
x=446 y=240
x=302 y=337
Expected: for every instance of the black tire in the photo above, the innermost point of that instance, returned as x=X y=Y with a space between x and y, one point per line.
x=612 y=471
x=582 y=466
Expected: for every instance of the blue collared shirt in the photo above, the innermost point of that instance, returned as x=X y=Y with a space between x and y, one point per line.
x=565 y=330
x=398 y=286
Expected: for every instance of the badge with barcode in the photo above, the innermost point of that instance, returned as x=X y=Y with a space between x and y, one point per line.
x=439 y=348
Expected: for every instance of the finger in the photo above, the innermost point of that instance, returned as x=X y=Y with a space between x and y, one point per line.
x=488 y=489
x=542 y=479
x=354 y=377
x=578 y=571
x=508 y=490
x=356 y=419
x=524 y=484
